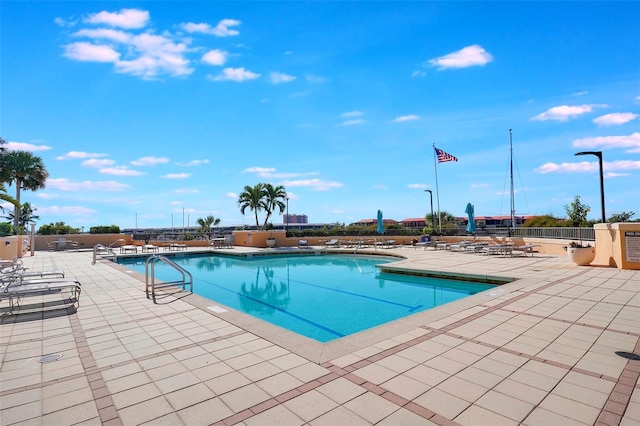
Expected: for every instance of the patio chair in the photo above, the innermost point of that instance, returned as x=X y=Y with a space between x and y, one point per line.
x=526 y=248
x=17 y=290
x=303 y=244
x=229 y=241
x=332 y=243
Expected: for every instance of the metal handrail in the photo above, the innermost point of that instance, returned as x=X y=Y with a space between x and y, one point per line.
x=150 y=280
x=100 y=247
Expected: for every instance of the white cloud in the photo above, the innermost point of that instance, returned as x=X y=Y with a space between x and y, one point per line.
x=231 y=195
x=193 y=163
x=631 y=141
x=63 y=184
x=479 y=185
x=120 y=171
x=405 y=118
x=176 y=203
x=315 y=79
x=314 y=184
x=75 y=155
x=588 y=166
x=564 y=112
x=353 y=122
x=615 y=118
x=67 y=210
x=96 y=163
x=46 y=196
x=220 y=30
x=177 y=175
x=418 y=74
x=215 y=57
x=150 y=161
x=469 y=56
x=105 y=33
x=580 y=93
x=23 y=146
x=278 y=78
x=417 y=186
x=352 y=114
x=234 y=74
x=126 y=18
x=259 y=170
x=82 y=51
x=186 y=191
x=157 y=55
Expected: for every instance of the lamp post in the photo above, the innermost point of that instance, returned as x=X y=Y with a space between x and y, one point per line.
x=599 y=155
x=431 y=199
x=286 y=222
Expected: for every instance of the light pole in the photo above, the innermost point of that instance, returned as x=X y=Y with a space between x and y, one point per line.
x=286 y=222
x=599 y=155
x=431 y=199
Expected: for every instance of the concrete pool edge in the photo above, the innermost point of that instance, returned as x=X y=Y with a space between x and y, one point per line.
x=319 y=352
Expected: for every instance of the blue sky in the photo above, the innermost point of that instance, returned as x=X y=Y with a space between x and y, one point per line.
x=148 y=113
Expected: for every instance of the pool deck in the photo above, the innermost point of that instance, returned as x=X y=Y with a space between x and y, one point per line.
x=558 y=346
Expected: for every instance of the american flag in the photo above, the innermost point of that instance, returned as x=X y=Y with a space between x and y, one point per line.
x=443 y=156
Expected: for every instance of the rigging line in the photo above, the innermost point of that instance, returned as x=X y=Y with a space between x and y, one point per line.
x=504 y=186
x=524 y=195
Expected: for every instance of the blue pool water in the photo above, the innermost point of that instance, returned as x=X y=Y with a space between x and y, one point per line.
x=321 y=297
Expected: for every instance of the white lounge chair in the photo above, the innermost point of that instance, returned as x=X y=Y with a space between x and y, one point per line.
x=526 y=248
x=303 y=244
x=332 y=243
x=17 y=290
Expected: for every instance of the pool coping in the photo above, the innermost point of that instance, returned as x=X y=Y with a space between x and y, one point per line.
x=320 y=352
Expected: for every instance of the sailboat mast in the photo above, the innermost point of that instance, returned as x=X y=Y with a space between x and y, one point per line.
x=512 y=200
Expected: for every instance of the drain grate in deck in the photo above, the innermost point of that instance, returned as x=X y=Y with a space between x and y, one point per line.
x=44 y=359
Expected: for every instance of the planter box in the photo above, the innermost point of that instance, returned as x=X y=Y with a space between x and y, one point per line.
x=581 y=255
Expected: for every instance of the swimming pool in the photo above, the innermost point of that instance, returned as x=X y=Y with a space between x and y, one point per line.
x=321 y=297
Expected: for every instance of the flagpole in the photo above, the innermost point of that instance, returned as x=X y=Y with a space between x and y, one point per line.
x=435 y=166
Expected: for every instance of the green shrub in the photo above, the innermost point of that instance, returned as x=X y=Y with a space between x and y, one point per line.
x=108 y=229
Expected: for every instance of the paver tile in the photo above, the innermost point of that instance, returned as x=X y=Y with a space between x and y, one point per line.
x=341 y=390
x=277 y=416
x=442 y=403
x=339 y=416
x=310 y=405
x=205 y=413
x=480 y=416
x=244 y=397
x=506 y=406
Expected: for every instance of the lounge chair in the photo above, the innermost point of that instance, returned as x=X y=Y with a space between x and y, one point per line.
x=147 y=248
x=498 y=249
x=332 y=243
x=128 y=248
x=424 y=242
x=526 y=248
x=303 y=244
x=229 y=241
x=17 y=290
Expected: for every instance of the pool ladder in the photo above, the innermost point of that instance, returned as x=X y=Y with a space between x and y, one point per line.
x=99 y=248
x=150 y=278
x=357 y=247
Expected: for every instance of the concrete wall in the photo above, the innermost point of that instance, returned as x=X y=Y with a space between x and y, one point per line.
x=618 y=244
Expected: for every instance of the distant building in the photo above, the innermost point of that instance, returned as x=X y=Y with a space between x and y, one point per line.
x=295 y=218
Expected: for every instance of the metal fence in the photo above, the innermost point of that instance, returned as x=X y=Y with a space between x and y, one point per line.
x=561 y=233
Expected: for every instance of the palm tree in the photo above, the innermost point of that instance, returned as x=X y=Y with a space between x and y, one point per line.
x=3 y=191
x=26 y=217
x=25 y=171
x=206 y=223
x=273 y=198
x=251 y=198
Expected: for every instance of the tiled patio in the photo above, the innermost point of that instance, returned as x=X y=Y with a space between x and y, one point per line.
x=538 y=351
